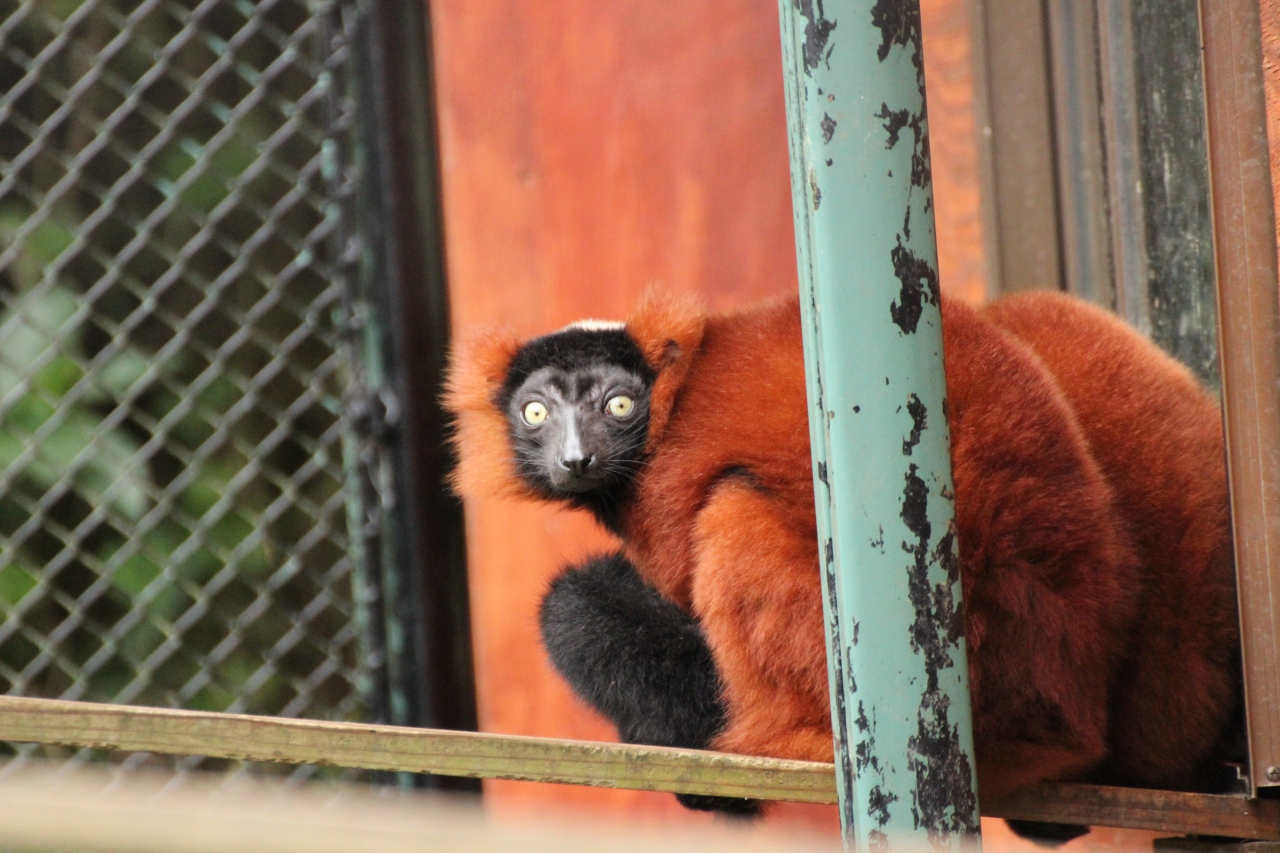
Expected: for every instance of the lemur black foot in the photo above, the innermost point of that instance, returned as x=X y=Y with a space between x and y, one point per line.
x=638 y=659
x=634 y=656
x=738 y=808
x=1047 y=834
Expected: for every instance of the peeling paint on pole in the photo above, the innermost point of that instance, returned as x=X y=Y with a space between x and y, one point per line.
x=882 y=474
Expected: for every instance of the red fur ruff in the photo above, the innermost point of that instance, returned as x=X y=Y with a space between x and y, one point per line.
x=1091 y=511
x=486 y=460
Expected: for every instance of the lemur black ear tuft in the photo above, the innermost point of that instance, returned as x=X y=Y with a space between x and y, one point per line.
x=668 y=328
x=478 y=366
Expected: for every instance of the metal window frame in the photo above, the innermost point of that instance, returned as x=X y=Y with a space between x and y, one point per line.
x=1012 y=62
x=1081 y=159
x=425 y=608
x=1016 y=149
x=1249 y=349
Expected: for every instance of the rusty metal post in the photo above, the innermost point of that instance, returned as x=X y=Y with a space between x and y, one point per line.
x=865 y=240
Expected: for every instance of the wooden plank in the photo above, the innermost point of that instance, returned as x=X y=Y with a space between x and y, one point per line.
x=449 y=753
x=1249 y=345
x=1132 y=808
x=607 y=765
x=1211 y=845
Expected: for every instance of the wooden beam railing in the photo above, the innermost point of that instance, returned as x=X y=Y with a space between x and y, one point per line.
x=604 y=765
x=409 y=750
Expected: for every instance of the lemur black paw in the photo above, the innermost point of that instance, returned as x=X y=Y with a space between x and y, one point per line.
x=632 y=655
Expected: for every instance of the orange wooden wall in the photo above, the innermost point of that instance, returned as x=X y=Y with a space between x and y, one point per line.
x=591 y=149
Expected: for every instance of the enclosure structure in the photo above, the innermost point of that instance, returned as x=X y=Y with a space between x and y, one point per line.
x=869 y=296
x=207 y=491
x=1158 y=206
x=389 y=71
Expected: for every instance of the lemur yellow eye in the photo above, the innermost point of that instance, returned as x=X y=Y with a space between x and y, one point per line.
x=620 y=406
x=534 y=413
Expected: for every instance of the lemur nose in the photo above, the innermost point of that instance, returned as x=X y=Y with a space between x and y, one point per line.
x=578 y=466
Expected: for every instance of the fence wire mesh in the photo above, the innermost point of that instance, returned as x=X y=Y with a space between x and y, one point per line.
x=173 y=357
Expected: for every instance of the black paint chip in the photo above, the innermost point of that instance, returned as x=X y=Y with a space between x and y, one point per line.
x=828 y=125
x=919 y=286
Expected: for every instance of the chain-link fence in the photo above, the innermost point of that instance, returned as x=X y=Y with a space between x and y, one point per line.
x=173 y=522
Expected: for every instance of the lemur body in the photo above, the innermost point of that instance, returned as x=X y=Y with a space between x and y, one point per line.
x=1091 y=514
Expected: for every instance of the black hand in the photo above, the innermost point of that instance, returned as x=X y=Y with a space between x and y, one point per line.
x=639 y=660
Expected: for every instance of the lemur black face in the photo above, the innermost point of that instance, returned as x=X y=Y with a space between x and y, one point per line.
x=577 y=403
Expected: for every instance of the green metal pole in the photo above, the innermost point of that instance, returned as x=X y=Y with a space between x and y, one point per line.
x=882 y=473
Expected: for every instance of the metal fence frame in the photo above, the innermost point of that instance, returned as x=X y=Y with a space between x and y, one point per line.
x=430 y=679
x=203 y=136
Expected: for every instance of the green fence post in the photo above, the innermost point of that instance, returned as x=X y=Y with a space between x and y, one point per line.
x=882 y=474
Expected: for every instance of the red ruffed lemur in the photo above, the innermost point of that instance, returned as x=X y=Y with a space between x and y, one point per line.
x=1091 y=512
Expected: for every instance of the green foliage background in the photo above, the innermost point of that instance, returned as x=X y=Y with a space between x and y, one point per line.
x=172 y=527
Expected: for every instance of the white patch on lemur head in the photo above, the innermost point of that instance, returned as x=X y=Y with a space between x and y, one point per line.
x=595 y=325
